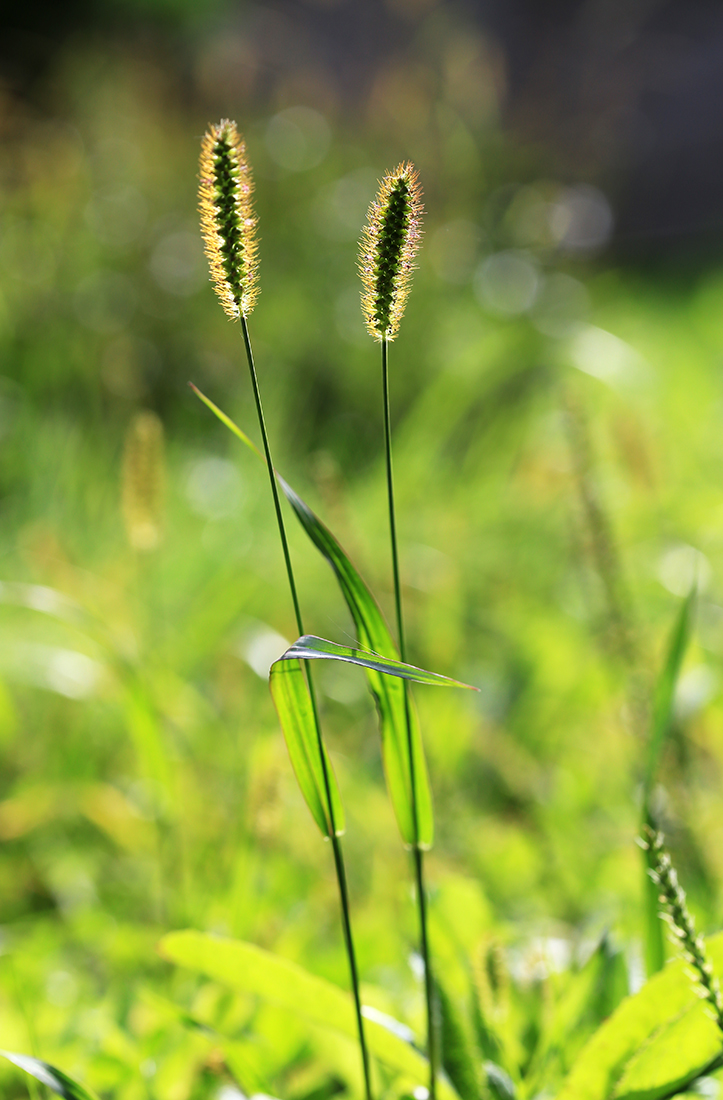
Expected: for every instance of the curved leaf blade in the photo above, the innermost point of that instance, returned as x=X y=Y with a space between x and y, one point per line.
x=406 y=772
x=309 y=647
x=250 y=969
x=656 y=1041
x=54 y=1078
x=290 y=692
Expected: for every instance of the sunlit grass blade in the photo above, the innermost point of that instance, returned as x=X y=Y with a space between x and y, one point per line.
x=290 y=693
x=457 y=1058
x=248 y=968
x=49 y=1075
x=309 y=647
x=226 y=421
x=661 y=721
x=406 y=774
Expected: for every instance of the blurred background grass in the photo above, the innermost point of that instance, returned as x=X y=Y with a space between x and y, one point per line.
x=557 y=396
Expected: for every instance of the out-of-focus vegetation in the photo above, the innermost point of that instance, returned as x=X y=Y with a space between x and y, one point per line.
x=558 y=459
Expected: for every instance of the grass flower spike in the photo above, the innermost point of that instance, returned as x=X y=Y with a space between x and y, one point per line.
x=227 y=218
x=682 y=926
x=389 y=243
x=143 y=481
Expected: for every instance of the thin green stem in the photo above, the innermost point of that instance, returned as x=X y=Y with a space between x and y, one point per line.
x=418 y=854
x=335 y=841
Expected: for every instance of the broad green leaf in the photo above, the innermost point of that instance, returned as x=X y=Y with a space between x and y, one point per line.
x=457 y=1058
x=655 y=1042
x=406 y=770
x=48 y=1075
x=309 y=758
x=657 y=1069
x=662 y=717
x=250 y=969
x=309 y=647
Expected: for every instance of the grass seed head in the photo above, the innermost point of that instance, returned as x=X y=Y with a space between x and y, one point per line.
x=228 y=223
x=389 y=243
x=143 y=481
x=682 y=925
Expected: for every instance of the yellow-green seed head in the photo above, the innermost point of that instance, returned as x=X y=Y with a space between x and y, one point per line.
x=228 y=224
x=389 y=243
x=143 y=481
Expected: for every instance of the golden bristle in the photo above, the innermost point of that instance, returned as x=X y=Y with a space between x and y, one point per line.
x=228 y=223
x=143 y=481
x=389 y=243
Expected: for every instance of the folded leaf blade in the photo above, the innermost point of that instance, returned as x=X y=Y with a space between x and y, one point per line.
x=309 y=758
x=309 y=647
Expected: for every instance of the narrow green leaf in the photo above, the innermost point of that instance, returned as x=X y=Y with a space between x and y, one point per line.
x=49 y=1075
x=661 y=721
x=406 y=772
x=665 y=695
x=309 y=647
x=290 y=692
x=457 y=1059
x=227 y=421
x=250 y=969
x=655 y=1042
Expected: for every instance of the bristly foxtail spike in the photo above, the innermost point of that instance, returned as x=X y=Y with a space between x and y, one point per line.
x=228 y=223
x=693 y=948
x=389 y=243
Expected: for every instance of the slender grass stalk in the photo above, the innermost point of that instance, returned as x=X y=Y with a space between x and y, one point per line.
x=390 y=241
x=417 y=852
x=228 y=225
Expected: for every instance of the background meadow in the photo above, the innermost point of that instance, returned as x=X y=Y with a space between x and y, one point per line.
x=557 y=403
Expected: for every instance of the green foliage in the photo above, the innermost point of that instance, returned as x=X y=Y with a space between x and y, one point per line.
x=290 y=692
x=246 y=967
x=655 y=1043
x=48 y=1075
x=144 y=784
x=405 y=772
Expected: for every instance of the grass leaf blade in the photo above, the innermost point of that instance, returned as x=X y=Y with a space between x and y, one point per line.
x=309 y=647
x=227 y=421
x=404 y=772
x=49 y=1075
x=292 y=700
